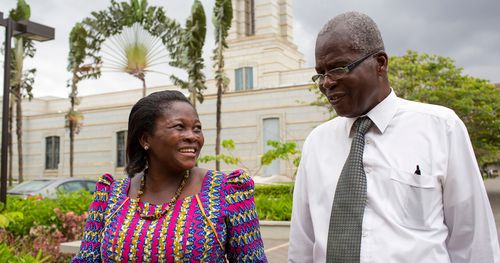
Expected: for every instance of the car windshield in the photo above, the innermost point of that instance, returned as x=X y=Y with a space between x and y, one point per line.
x=31 y=186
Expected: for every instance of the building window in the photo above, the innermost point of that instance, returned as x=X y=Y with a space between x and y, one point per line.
x=249 y=17
x=244 y=78
x=121 y=138
x=271 y=131
x=51 y=152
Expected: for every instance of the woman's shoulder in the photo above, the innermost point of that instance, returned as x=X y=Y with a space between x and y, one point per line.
x=238 y=189
x=238 y=181
x=107 y=180
x=238 y=177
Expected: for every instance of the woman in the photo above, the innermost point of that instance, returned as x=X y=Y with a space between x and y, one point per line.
x=169 y=210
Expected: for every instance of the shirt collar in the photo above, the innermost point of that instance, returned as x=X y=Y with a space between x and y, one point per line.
x=381 y=114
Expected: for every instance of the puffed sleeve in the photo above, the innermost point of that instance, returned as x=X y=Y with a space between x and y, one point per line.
x=244 y=239
x=90 y=248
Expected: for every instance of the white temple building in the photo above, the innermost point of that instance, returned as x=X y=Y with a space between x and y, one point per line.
x=268 y=99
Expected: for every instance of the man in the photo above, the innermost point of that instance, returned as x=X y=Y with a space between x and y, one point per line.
x=389 y=180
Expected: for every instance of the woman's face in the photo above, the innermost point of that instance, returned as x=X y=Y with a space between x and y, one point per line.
x=177 y=138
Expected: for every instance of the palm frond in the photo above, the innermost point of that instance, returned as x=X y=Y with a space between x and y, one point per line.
x=134 y=51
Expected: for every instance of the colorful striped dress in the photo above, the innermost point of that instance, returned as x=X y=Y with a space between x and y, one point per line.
x=114 y=231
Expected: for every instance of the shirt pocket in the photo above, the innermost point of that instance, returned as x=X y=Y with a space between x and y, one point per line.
x=417 y=199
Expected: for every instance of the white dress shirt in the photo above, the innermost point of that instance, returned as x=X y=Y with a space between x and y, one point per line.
x=441 y=215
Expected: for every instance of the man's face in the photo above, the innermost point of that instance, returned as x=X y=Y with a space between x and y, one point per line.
x=358 y=91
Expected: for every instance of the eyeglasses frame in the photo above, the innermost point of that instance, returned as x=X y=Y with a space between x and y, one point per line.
x=345 y=70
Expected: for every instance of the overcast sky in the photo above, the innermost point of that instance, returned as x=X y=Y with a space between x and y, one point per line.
x=467 y=31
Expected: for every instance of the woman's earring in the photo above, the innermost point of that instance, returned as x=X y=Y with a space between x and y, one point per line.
x=146 y=147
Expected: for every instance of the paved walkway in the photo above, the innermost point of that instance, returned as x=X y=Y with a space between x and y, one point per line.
x=277 y=249
x=493 y=189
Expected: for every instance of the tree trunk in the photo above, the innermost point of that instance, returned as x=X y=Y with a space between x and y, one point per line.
x=220 y=87
x=143 y=86
x=11 y=107
x=192 y=96
x=71 y=144
x=72 y=123
x=218 y=124
x=19 y=133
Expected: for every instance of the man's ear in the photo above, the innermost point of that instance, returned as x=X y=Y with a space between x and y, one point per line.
x=382 y=62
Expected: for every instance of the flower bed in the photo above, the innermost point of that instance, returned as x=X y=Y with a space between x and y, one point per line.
x=36 y=226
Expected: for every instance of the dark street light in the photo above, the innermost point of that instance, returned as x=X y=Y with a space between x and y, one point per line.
x=31 y=31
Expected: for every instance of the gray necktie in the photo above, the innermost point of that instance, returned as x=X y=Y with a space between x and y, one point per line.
x=346 y=220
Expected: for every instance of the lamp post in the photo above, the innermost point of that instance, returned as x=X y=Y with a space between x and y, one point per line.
x=32 y=31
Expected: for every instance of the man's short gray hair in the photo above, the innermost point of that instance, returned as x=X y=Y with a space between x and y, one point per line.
x=363 y=31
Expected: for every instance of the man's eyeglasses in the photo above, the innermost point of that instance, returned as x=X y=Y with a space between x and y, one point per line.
x=338 y=73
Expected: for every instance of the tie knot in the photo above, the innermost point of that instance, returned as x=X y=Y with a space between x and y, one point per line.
x=363 y=124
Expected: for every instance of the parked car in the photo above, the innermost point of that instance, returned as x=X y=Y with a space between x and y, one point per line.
x=50 y=187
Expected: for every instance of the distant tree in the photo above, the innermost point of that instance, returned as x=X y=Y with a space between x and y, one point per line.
x=230 y=158
x=435 y=79
x=21 y=80
x=412 y=72
x=79 y=51
x=284 y=151
x=188 y=54
x=223 y=14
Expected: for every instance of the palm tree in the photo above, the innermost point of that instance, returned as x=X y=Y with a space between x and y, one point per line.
x=134 y=51
x=134 y=32
x=21 y=80
x=188 y=55
x=78 y=52
x=223 y=14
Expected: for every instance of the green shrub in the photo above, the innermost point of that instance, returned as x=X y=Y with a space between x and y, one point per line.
x=274 y=190
x=274 y=202
x=41 y=212
x=7 y=255
x=34 y=224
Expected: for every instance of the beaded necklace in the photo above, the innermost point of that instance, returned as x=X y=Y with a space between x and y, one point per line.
x=144 y=214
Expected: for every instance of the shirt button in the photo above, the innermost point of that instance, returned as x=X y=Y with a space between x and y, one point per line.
x=368 y=141
x=368 y=170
